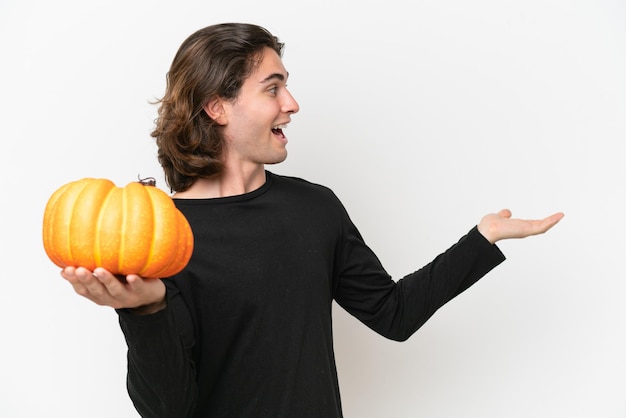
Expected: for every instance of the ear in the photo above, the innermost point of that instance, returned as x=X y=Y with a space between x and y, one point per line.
x=215 y=110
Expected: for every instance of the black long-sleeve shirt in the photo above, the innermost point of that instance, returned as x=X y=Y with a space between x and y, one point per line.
x=248 y=332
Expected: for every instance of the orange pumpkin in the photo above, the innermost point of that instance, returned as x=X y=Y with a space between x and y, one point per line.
x=136 y=229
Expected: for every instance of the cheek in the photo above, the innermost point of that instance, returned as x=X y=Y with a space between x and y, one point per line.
x=249 y=123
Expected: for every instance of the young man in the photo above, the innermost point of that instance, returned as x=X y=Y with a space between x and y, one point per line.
x=245 y=330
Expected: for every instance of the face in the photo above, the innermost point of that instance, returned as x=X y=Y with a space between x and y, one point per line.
x=254 y=123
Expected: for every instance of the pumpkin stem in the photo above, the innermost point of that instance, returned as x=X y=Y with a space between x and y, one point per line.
x=148 y=181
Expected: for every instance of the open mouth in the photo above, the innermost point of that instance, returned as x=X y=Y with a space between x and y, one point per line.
x=278 y=130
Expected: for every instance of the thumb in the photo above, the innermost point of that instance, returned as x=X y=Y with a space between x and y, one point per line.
x=505 y=213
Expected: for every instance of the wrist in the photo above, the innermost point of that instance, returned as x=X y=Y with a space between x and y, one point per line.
x=150 y=308
x=486 y=232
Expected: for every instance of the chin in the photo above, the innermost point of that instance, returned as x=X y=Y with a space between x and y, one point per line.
x=277 y=159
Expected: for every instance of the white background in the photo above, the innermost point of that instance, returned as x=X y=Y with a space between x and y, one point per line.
x=422 y=116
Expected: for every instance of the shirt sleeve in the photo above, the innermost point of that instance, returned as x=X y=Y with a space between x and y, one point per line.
x=397 y=309
x=161 y=374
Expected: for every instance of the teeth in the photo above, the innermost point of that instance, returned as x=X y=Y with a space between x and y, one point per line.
x=280 y=127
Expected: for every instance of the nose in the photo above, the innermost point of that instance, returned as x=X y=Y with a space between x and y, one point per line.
x=289 y=104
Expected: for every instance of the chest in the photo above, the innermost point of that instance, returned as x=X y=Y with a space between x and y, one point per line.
x=263 y=259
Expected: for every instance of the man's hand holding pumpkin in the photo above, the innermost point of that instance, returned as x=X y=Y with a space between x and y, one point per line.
x=144 y=296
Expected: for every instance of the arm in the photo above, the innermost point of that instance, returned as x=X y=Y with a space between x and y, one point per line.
x=159 y=335
x=397 y=310
x=161 y=374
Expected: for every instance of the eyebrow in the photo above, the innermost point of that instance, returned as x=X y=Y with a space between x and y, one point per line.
x=274 y=76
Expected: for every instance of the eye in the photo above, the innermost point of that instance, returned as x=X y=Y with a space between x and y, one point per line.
x=273 y=90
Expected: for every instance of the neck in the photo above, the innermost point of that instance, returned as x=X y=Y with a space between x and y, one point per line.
x=229 y=183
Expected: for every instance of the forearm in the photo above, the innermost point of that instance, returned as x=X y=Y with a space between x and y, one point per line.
x=397 y=310
x=448 y=275
x=161 y=380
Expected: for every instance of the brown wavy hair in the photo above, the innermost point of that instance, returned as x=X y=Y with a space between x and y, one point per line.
x=212 y=62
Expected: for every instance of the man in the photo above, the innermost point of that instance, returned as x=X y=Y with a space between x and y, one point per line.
x=245 y=330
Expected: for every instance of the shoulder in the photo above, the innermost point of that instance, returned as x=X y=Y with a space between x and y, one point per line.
x=305 y=191
x=299 y=184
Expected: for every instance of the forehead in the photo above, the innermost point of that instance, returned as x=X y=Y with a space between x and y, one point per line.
x=270 y=67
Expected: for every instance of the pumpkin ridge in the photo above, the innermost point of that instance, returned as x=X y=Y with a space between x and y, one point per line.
x=123 y=228
x=87 y=208
x=152 y=249
x=68 y=227
x=136 y=234
x=183 y=248
x=97 y=250
x=49 y=229
x=164 y=234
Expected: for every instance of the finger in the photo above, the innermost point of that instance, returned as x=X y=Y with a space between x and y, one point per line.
x=141 y=286
x=557 y=217
x=552 y=220
x=505 y=213
x=69 y=274
x=117 y=290
x=83 y=281
x=150 y=293
x=540 y=226
x=95 y=289
x=134 y=281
